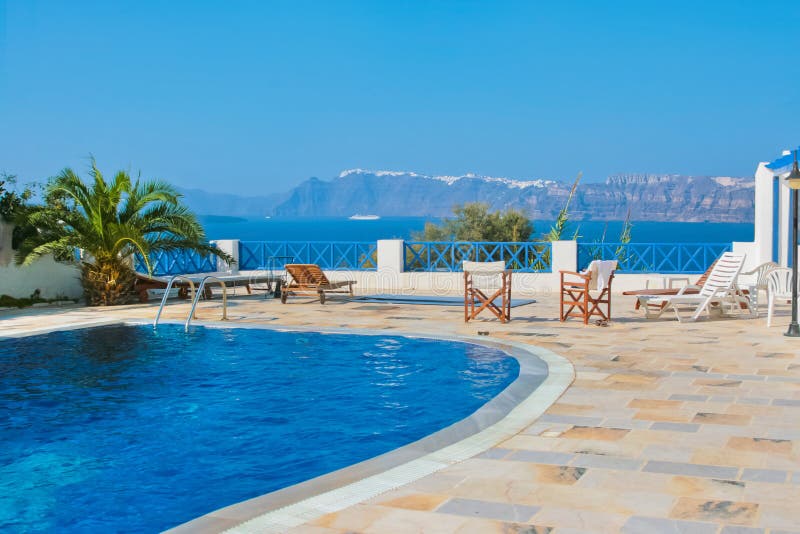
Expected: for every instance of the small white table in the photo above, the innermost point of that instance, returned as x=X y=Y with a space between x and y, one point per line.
x=668 y=280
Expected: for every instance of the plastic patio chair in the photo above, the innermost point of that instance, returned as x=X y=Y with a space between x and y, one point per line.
x=758 y=281
x=779 y=288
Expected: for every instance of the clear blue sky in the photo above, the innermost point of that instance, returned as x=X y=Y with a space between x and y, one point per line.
x=260 y=95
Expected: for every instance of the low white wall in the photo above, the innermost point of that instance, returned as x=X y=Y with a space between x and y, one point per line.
x=51 y=278
x=522 y=284
x=752 y=257
x=390 y=277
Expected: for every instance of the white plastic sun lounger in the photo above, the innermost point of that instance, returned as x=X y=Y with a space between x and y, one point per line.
x=719 y=288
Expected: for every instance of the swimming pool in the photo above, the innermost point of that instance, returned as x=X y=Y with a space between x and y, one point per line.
x=123 y=428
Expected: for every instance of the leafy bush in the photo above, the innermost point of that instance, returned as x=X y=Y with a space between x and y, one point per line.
x=474 y=222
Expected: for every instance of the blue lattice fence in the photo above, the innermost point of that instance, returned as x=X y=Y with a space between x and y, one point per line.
x=330 y=255
x=666 y=258
x=443 y=256
x=177 y=262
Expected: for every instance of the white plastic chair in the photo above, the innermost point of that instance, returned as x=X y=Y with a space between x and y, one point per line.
x=779 y=288
x=761 y=272
x=758 y=281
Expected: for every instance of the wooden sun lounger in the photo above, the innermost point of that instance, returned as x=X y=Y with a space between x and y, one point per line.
x=308 y=279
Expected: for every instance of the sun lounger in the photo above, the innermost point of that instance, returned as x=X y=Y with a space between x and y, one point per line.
x=718 y=289
x=691 y=289
x=243 y=278
x=308 y=279
x=145 y=283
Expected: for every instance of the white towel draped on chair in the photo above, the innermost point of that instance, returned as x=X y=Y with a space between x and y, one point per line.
x=601 y=271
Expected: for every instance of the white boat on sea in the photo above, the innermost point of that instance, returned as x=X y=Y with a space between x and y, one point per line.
x=359 y=217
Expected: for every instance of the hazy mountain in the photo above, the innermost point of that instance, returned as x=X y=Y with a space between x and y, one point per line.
x=390 y=193
x=648 y=197
x=206 y=203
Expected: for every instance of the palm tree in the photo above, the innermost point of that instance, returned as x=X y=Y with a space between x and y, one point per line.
x=110 y=222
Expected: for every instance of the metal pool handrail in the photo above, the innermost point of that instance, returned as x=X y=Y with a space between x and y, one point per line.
x=166 y=294
x=196 y=299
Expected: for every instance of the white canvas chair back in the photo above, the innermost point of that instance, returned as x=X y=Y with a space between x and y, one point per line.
x=484 y=267
x=601 y=271
x=723 y=276
x=485 y=271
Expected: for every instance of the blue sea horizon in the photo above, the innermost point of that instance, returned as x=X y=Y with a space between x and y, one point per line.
x=343 y=229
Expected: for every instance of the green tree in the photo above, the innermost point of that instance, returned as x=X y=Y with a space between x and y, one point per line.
x=14 y=207
x=474 y=222
x=110 y=222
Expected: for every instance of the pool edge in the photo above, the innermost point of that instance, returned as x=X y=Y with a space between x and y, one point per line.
x=303 y=502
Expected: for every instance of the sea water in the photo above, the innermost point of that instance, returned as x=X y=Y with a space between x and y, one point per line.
x=343 y=229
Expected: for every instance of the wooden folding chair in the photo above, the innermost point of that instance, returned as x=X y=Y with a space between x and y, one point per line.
x=487 y=271
x=576 y=291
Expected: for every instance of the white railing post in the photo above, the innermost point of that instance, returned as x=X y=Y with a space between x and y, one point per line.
x=390 y=255
x=565 y=256
x=231 y=246
x=391 y=263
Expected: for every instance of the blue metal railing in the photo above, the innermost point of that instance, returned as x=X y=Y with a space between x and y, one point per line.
x=666 y=258
x=447 y=256
x=444 y=256
x=330 y=255
x=177 y=262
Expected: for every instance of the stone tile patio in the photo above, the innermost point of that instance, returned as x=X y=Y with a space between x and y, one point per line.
x=667 y=427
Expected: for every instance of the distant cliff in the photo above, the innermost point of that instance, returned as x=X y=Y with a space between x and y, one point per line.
x=648 y=197
x=227 y=204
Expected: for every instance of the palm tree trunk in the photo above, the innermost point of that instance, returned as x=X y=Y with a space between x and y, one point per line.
x=107 y=282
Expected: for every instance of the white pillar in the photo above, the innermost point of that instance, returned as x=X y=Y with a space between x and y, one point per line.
x=231 y=246
x=391 y=263
x=764 y=214
x=750 y=253
x=565 y=256
x=391 y=255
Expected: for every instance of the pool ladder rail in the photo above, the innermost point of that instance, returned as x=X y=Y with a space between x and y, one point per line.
x=195 y=297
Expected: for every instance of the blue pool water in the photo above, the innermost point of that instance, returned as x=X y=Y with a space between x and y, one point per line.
x=124 y=429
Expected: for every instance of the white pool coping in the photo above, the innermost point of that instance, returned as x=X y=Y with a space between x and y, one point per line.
x=506 y=415
x=560 y=374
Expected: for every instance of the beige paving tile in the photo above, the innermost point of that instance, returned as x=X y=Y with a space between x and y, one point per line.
x=729 y=512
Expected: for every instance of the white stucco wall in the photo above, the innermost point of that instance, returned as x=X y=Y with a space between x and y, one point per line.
x=51 y=278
